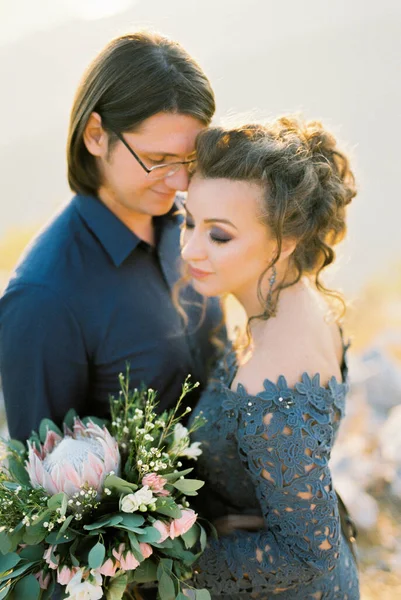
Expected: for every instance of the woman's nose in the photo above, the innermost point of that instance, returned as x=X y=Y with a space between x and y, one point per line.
x=192 y=247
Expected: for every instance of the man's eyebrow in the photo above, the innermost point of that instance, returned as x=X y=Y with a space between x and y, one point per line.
x=190 y=156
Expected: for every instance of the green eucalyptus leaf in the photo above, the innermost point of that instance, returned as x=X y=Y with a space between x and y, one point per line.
x=18 y=571
x=116 y=588
x=121 y=486
x=131 y=522
x=191 y=536
x=135 y=548
x=171 y=477
x=106 y=521
x=96 y=420
x=5 y=589
x=96 y=556
x=167 y=506
x=27 y=588
x=32 y=553
x=66 y=523
x=57 y=501
x=17 y=446
x=149 y=535
x=18 y=471
x=45 y=426
x=57 y=537
x=146 y=572
x=5 y=543
x=188 y=486
x=166 y=587
x=203 y=537
x=9 y=561
x=69 y=418
x=202 y=595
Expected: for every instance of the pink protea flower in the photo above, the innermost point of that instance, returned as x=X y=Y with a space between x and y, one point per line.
x=156 y=483
x=67 y=464
x=183 y=524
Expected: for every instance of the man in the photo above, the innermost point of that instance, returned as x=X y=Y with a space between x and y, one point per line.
x=93 y=292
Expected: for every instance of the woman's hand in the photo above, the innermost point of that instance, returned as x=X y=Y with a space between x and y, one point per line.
x=229 y=523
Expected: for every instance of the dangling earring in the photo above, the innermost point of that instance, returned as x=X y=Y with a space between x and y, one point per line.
x=272 y=281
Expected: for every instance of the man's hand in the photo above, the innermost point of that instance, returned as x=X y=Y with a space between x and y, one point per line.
x=229 y=523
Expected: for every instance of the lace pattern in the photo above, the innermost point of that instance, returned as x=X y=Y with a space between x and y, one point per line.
x=282 y=438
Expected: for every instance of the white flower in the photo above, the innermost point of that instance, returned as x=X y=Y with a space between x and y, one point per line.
x=180 y=433
x=132 y=502
x=193 y=451
x=181 y=443
x=89 y=589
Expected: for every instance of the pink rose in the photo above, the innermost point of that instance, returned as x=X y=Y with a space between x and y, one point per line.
x=164 y=530
x=156 y=483
x=129 y=562
x=146 y=550
x=183 y=524
x=47 y=557
x=65 y=574
x=109 y=568
x=118 y=553
x=43 y=581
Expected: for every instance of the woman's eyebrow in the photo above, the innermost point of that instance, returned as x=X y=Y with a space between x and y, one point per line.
x=226 y=221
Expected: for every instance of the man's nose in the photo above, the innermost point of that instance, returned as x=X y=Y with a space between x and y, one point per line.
x=179 y=181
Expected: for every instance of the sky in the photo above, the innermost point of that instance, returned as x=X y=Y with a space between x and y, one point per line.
x=336 y=61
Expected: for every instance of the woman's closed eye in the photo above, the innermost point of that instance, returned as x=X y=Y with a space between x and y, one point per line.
x=218 y=236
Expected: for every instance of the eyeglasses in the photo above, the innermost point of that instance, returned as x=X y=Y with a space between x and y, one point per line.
x=157 y=171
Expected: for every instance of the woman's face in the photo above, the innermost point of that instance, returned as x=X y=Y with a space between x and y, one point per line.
x=225 y=243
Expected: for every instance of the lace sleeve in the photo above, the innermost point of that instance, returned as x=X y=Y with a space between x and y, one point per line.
x=284 y=440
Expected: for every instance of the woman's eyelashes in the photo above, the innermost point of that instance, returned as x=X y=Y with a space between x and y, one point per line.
x=219 y=237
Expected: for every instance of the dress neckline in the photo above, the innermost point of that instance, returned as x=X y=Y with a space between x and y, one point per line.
x=312 y=382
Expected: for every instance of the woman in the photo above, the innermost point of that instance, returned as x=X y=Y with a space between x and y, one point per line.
x=265 y=207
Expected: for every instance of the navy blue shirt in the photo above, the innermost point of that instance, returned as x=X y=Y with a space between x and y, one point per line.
x=88 y=297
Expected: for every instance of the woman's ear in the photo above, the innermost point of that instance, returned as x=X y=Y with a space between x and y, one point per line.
x=288 y=246
x=95 y=137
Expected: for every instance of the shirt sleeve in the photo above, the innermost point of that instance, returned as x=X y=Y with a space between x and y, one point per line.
x=284 y=440
x=43 y=361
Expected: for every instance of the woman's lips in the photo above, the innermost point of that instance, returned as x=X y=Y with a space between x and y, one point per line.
x=197 y=273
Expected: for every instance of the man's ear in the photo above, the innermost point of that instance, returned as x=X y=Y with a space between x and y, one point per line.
x=95 y=137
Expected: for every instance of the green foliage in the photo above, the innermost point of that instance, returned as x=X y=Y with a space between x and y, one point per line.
x=27 y=588
x=188 y=486
x=96 y=556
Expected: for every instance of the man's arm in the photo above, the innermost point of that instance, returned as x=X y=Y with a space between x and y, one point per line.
x=43 y=360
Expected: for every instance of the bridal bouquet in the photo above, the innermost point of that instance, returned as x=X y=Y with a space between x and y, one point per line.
x=100 y=507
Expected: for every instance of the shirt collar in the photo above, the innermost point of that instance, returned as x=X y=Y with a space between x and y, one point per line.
x=116 y=238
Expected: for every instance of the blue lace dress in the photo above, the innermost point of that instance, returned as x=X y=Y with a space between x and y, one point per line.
x=268 y=455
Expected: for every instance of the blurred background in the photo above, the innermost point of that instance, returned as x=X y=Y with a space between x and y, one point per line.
x=339 y=62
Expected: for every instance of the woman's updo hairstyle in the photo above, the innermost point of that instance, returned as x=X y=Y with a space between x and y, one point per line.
x=308 y=184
